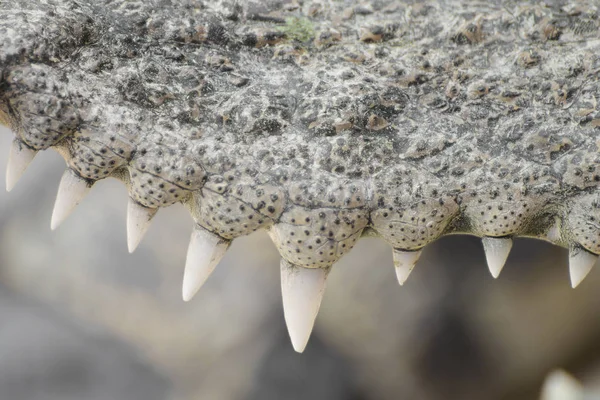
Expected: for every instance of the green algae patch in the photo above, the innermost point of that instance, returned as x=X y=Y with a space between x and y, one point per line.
x=298 y=29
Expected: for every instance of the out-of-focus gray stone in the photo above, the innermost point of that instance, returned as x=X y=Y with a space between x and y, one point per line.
x=321 y=373
x=47 y=356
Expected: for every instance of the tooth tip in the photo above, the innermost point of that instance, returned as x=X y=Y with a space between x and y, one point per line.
x=187 y=296
x=204 y=253
x=576 y=281
x=404 y=263
x=561 y=386
x=57 y=218
x=496 y=253
x=9 y=183
x=131 y=245
x=302 y=292
x=138 y=222
x=402 y=276
x=580 y=264
x=71 y=190
x=299 y=346
x=190 y=287
x=299 y=333
x=19 y=158
x=495 y=272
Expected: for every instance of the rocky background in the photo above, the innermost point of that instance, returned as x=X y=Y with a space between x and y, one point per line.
x=83 y=319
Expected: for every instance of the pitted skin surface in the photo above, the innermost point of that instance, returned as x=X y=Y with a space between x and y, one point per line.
x=321 y=121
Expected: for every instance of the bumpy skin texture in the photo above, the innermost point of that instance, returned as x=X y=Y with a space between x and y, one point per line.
x=321 y=121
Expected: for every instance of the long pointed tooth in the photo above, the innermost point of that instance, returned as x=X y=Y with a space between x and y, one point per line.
x=580 y=263
x=18 y=160
x=496 y=253
x=138 y=222
x=302 y=290
x=405 y=261
x=71 y=190
x=204 y=253
x=561 y=386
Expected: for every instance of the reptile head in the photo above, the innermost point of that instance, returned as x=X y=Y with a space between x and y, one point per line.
x=319 y=123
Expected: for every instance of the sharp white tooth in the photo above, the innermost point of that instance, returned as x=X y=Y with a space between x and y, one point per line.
x=71 y=190
x=580 y=263
x=405 y=261
x=561 y=386
x=302 y=291
x=138 y=222
x=204 y=253
x=496 y=253
x=18 y=160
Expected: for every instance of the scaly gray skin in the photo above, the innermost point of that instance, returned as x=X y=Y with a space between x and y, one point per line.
x=324 y=121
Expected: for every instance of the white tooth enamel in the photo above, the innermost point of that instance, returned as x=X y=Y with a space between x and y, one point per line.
x=71 y=190
x=580 y=263
x=302 y=290
x=561 y=386
x=204 y=253
x=405 y=261
x=138 y=222
x=496 y=253
x=18 y=160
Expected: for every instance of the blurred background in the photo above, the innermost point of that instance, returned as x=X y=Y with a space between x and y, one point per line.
x=80 y=318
